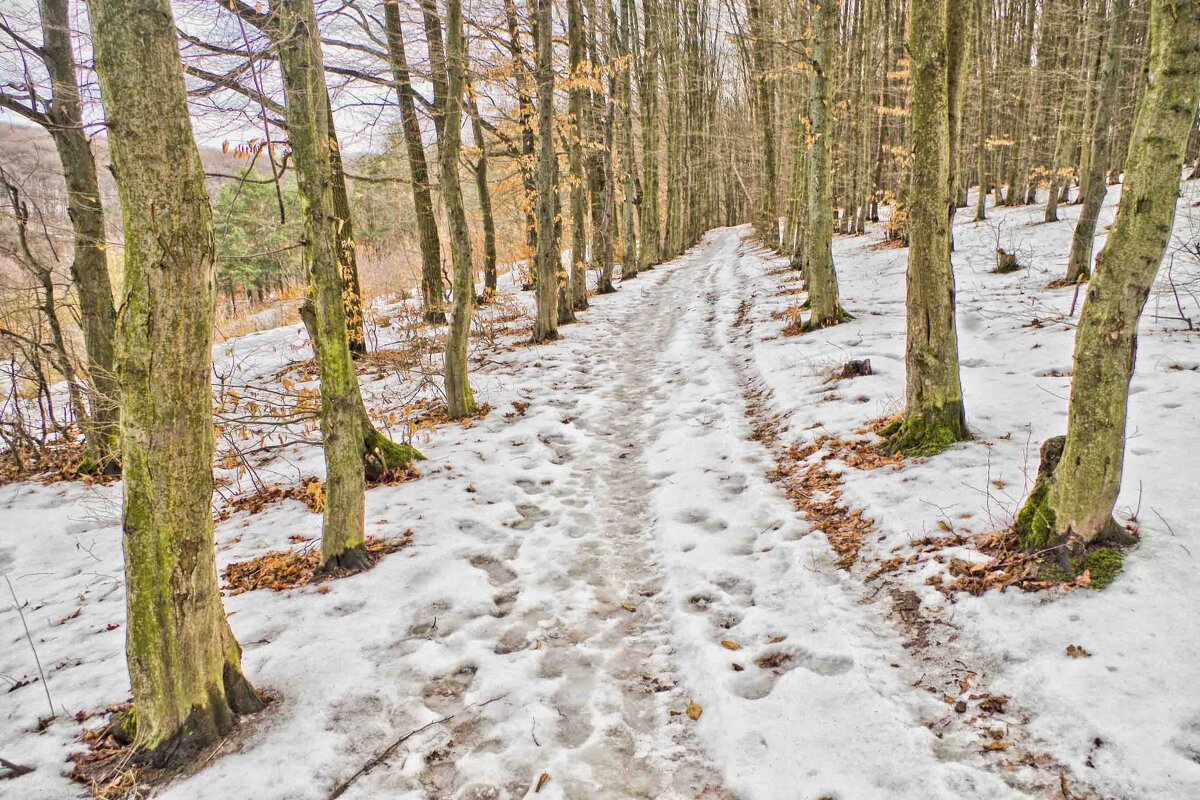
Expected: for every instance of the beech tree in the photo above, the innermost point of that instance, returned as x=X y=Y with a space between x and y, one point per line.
x=545 y=327
x=1071 y=505
x=459 y=398
x=184 y=663
x=934 y=417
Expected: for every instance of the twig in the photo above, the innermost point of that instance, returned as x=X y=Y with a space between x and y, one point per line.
x=341 y=788
x=28 y=636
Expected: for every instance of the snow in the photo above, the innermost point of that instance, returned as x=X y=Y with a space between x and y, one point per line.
x=576 y=567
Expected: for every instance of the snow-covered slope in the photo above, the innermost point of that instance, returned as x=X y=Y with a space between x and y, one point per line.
x=606 y=551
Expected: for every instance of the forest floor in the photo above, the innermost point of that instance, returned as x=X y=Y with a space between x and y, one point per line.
x=670 y=562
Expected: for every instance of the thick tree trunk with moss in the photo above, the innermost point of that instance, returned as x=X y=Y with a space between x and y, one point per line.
x=823 y=301
x=575 y=101
x=89 y=265
x=934 y=417
x=308 y=117
x=1072 y=503
x=460 y=400
x=1097 y=143
x=427 y=232
x=648 y=246
x=545 y=327
x=184 y=664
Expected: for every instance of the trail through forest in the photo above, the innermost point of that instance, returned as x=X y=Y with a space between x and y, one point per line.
x=608 y=583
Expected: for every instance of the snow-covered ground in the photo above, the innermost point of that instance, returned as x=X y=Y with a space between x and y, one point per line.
x=605 y=552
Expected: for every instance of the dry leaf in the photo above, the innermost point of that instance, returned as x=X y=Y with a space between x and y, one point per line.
x=1076 y=651
x=542 y=779
x=730 y=645
x=629 y=607
x=694 y=710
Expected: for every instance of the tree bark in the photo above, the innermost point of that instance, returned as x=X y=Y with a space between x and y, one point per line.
x=184 y=663
x=1072 y=505
x=934 y=416
x=824 y=303
x=301 y=63
x=427 y=231
x=460 y=400
x=545 y=327
x=1079 y=261
x=648 y=213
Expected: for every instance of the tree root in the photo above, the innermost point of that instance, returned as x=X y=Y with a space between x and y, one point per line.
x=382 y=457
x=927 y=434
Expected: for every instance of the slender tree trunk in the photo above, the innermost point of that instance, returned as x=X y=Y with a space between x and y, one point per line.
x=484 y=191
x=824 y=303
x=525 y=117
x=1079 y=262
x=648 y=245
x=629 y=243
x=545 y=327
x=981 y=63
x=459 y=398
x=431 y=256
x=184 y=664
x=89 y=265
x=342 y=537
x=934 y=416
x=1072 y=501
x=577 y=112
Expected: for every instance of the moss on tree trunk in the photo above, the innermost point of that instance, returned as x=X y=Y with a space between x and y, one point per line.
x=184 y=664
x=1072 y=504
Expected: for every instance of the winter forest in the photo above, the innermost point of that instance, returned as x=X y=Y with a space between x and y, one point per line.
x=599 y=399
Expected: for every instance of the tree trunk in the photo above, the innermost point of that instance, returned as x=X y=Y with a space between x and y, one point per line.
x=576 y=110
x=1072 y=503
x=1079 y=262
x=460 y=400
x=648 y=245
x=934 y=416
x=342 y=544
x=484 y=191
x=545 y=327
x=431 y=255
x=824 y=303
x=184 y=664
x=89 y=264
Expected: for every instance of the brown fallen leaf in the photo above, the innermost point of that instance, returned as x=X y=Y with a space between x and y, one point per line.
x=629 y=607
x=694 y=710
x=542 y=779
x=992 y=747
x=730 y=645
x=1077 y=651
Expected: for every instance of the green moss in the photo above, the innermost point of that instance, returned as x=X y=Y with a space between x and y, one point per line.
x=382 y=456
x=926 y=435
x=1102 y=565
x=1035 y=523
